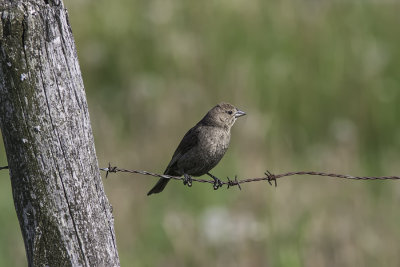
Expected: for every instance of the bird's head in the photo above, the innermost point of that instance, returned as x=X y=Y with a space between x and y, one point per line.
x=223 y=115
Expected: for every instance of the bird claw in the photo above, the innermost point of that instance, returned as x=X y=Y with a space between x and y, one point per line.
x=187 y=180
x=217 y=182
x=271 y=177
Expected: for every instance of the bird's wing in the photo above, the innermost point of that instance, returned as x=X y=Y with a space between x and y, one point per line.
x=189 y=141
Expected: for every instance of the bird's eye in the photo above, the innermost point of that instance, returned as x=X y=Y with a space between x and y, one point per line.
x=230 y=112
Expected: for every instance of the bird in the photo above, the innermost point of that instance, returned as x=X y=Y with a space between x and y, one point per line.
x=202 y=147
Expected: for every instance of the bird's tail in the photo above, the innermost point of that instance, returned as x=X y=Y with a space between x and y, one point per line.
x=159 y=187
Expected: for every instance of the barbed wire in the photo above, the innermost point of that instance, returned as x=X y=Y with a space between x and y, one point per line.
x=269 y=177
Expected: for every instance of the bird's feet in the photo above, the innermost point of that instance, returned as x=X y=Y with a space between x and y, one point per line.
x=187 y=180
x=271 y=177
x=217 y=182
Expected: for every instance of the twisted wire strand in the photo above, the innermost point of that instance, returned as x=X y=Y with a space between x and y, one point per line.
x=268 y=176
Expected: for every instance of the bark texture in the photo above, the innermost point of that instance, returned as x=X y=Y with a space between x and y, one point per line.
x=63 y=212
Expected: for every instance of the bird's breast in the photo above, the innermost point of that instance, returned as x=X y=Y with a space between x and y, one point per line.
x=215 y=142
x=211 y=147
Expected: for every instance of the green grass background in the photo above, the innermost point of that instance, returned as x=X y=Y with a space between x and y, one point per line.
x=320 y=81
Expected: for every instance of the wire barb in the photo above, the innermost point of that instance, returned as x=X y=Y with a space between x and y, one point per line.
x=269 y=177
x=109 y=169
x=238 y=183
x=233 y=183
x=3 y=168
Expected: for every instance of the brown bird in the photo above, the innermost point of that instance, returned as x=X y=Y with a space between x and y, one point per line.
x=202 y=147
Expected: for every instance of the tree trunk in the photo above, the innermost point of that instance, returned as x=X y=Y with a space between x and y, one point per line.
x=63 y=212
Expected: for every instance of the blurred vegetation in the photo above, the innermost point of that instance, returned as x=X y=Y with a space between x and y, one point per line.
x=320 y=83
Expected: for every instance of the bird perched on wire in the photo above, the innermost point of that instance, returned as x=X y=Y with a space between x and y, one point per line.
x=202 y=147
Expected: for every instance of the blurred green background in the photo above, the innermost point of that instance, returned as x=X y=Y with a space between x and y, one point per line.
x=320 y=81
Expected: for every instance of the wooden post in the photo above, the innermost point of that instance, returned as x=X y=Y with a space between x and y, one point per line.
x=63 y=212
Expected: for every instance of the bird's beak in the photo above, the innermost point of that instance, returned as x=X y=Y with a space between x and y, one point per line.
x=239 y=113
